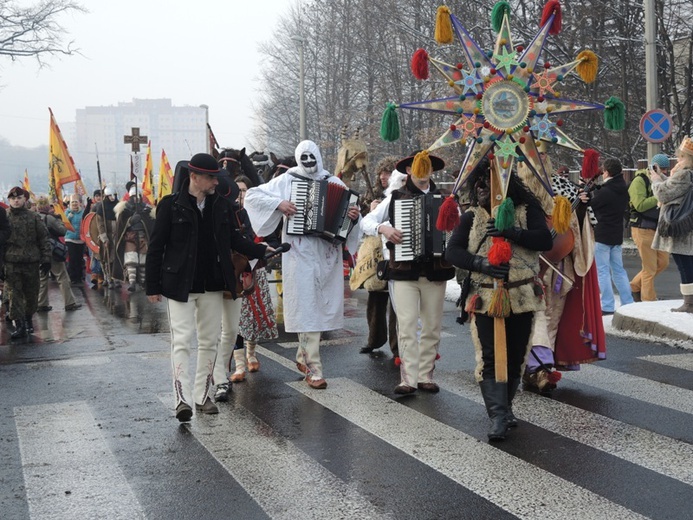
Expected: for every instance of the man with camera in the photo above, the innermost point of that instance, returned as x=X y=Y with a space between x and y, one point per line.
x=644 y=213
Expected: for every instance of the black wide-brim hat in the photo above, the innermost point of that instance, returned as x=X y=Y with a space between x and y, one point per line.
x=437 y=163
x=200 y=163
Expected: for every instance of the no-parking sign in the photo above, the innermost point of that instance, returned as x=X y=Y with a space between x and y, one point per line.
x=656 y=126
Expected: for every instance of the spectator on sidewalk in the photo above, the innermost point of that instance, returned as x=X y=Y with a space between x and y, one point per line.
x=609 y=204
x=676 y=236
x=644 y=213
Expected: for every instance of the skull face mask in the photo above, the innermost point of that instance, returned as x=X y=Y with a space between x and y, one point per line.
x=309 y=162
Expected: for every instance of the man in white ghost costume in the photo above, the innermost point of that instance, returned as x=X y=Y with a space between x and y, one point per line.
x=312 y=270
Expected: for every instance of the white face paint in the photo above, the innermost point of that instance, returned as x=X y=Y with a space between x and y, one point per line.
x=309 y=162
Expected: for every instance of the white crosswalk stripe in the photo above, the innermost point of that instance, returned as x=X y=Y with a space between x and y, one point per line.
x=279 y=476
x=650 y=450
x=511 y=483
x=69 y=471
x=682 y=361
x=635 y=387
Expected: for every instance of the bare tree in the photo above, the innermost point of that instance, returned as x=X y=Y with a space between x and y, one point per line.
x=35 y=31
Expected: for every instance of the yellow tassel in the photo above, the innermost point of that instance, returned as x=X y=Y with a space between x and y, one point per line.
x=443 y=33
x=421 y=167
x=499 y=306
x=562 y=211
x=587 y=68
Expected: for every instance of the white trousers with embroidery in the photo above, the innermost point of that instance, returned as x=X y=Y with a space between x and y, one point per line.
x=230 y=324
x=309 y=353
x=201 y=314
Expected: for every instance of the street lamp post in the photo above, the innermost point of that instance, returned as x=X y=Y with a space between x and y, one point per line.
x=301 y=89
x=651 y=96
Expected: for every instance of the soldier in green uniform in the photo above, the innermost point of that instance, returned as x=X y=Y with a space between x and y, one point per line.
x=27 y=253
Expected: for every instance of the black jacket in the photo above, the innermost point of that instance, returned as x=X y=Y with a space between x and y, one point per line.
x=173 y=247
x=609 y=204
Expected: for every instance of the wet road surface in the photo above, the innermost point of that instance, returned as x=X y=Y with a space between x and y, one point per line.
x=89 y=430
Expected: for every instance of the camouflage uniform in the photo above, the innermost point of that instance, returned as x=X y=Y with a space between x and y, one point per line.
x=26 y=249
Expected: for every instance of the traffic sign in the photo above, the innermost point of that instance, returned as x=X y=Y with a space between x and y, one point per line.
x=656 y=126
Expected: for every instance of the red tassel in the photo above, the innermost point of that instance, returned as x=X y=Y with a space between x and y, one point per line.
x=448 y=214
x=552 y=7
x=590 y=164
x=398 y=361
x=554 y=377
x=437 y=357
x=419 y=64
x=501 y=251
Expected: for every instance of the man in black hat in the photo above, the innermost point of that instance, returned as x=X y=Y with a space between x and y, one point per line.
x=189 y=262
x=419 y=284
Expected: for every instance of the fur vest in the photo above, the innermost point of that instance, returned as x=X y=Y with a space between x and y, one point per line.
x=524 y=265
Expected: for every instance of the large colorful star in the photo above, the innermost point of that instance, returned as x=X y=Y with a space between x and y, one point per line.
x=512 y=106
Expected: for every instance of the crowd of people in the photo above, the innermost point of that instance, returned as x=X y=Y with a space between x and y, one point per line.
x=535 y=310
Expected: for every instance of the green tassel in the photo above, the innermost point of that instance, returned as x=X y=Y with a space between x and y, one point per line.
x=505 y=217
x=389 y=126
x=499 y=11
x=614 y=114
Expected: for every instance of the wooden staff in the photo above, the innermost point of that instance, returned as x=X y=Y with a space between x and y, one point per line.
x=500 y=346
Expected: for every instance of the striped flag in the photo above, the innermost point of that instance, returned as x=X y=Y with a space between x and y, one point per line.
x=25 y=184
x=165 y=177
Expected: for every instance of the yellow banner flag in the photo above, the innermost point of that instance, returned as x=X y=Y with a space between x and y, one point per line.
x=80 y=189
x=59 y=210
x=26 y=185
x=147 y=190
x=61 y=166
x=165 y=177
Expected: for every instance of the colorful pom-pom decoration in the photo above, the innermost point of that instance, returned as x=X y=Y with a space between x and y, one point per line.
x=419 y=64
x=448 y=215
x=500 y=251
x=389 y=126
x=552 y=8
x=588 y=66
x=443 y=31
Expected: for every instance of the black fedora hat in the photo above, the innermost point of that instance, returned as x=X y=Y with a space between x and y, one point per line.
x=436 y=162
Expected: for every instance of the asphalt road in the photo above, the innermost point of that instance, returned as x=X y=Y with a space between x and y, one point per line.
x=89 y=430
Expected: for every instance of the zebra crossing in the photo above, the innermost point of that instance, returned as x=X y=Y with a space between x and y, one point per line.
x=356 y=451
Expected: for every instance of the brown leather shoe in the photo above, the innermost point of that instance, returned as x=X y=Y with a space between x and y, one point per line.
x=238 y=376
x=207 y=407
x=318 y=384
x=253 y=364
x=302 y=368
x=429 y=387
x=404 y=389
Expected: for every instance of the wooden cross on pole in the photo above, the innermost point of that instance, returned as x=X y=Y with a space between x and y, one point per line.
x=135 y=140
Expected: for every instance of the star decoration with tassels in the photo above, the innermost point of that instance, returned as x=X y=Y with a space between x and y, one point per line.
x=504 y=99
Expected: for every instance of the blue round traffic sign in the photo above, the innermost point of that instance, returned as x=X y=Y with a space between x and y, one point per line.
x=656 y=126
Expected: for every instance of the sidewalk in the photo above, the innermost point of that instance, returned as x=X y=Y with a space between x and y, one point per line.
x=643 y=321
x=653 y=321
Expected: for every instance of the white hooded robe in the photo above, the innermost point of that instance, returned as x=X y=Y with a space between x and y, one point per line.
x=312 y=270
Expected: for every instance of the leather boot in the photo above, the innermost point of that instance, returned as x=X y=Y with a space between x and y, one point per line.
x=687 y=292
x=496 y=400
x=510 y=419
x=29 y=325
x=20 y=330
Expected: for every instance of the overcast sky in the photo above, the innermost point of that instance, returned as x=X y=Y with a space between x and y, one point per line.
x=193 y=52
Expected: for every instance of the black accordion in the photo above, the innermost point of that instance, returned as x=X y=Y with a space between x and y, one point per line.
x=416 y=219
x=322 y=208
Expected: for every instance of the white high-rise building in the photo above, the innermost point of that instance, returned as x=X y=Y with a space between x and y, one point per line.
x=180 y=131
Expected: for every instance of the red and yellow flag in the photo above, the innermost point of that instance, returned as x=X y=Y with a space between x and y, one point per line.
x=61 y=166
x=80 y=189
x=147 y=189
x=165 y=177
x=59 y=210
x=26 y=186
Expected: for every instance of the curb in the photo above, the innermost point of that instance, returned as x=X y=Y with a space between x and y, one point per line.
x=655 y=329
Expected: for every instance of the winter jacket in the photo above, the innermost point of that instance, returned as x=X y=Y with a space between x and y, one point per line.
x=672 y=191
x=75 y=218
x=176 y=246
x=643 y=204
x=609 y=204
x=28 y=242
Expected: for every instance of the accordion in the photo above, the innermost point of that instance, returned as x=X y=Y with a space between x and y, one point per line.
x=416 y=219
x=322 y=208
